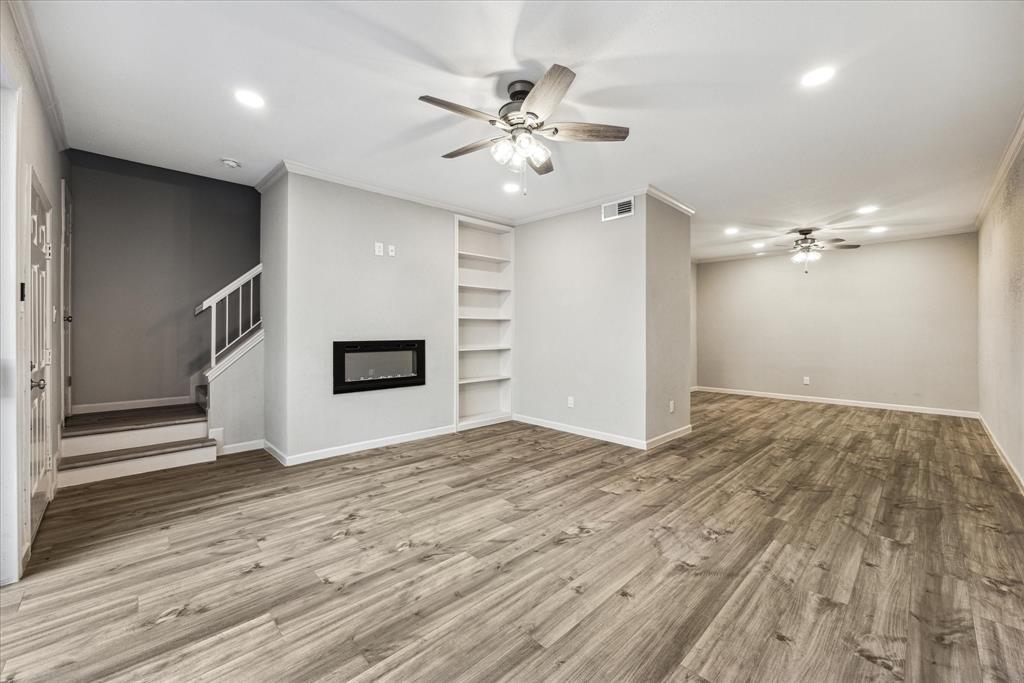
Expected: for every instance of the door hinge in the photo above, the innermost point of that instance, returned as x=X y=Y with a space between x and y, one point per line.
x=22 y=291
x=48 y=250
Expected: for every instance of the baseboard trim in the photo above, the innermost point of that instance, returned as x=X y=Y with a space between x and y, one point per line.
x=128 y=405
x=1002 y=454
x=668 y=436
x=276 y=452
x=845 y=402
x=242 y=447
x=582 y=431
x=345 y=449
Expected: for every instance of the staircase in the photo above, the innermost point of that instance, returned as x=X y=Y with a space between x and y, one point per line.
x=118 y=443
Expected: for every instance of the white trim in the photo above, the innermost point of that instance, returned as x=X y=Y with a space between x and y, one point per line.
x=345 y=449
x=242 y=446
x=272 y=176
x=589 y=204
x=128 y=405
x=228 y=289
x=488 y=226
x=845 y=402
x=310 y=172
x=24 y=24
x=669 y=436
x=484 y=420
x=582 y=431
x=233 y=357
x=670 y=200
x=1002 y=171
x=152 y=463
x=276 y=452
x=1014 y=472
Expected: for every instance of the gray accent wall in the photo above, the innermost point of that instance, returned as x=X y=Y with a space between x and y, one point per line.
x=1001 y=316
x=333 y=288
x=888 y=323
x=149 y=245
x=667 y=243
x=579 y=321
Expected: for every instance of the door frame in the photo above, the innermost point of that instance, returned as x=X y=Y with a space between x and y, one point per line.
x=67 y=207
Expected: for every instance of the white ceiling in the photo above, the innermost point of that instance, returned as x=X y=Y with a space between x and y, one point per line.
x=924 y=103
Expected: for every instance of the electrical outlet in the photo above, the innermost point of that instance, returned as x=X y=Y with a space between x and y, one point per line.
x=571 y=402
x=671 y=406
x=378 y=248
x=807 y=380
x=391 y=250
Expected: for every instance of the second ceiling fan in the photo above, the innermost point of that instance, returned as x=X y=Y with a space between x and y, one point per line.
x=524 y=119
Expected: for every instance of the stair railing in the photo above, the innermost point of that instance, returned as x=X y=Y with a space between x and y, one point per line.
x=221 y=315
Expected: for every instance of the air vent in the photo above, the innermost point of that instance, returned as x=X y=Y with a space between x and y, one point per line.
x=619 y=209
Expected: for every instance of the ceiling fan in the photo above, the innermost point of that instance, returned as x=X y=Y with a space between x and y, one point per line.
x=524 y=119
x=807 y=249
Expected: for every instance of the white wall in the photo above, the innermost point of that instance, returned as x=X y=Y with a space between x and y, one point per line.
x=274 y=309
x=1001 y=316
x=335 y=289
x=36 y=149
x=667 y=276
x=579 y=322
x=889 y=323
x=236 y=400
x=693 y=324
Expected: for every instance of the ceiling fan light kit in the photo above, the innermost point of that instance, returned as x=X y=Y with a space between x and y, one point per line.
x=522 y=121
x=807 y=249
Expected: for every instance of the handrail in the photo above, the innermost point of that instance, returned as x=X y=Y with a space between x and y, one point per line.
x=235 y=291
x=224 y=291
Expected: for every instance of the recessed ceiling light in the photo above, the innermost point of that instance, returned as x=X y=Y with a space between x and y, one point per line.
x=732 y=231
x=231 y=163
x=878 y=228
x=818 y=76
x=865 y=210
x=760 y=253
x=249 y=99
x=510 y=187
x=758 y=245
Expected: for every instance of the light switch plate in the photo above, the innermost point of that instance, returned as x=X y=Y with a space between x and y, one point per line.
x=378 y=248
x=391 y=250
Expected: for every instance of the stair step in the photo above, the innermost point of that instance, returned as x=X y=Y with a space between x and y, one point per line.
x=89 y=459
x=126 y=420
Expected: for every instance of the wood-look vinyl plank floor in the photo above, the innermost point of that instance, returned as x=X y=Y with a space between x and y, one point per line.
x=780 y=541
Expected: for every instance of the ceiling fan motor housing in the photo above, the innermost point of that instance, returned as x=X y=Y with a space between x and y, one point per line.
x=517 y=92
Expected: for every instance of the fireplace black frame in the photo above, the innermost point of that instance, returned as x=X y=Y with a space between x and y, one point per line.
x=343 y=347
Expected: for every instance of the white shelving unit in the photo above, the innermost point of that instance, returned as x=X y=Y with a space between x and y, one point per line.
x=484 y=311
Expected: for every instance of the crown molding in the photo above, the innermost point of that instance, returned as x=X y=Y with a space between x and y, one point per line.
x=25 y=27
x=296 y=168
x=1009 y=156
x=670 y=200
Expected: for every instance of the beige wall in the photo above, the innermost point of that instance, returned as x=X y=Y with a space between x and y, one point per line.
x=889 y=323
x=1001 y=316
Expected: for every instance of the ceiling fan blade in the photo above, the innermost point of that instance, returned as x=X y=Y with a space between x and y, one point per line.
x=846 y=246
x=541 y=169
x=584 y=132
x=549 y=91
x=833 y=240
x=460 y=110
x=471 y=147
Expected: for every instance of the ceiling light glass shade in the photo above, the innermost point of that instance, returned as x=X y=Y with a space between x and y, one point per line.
x=798 y=257
x=813 y=256
x=516 y=163
x=525 y=143
x=539 y=154
x=502 y=151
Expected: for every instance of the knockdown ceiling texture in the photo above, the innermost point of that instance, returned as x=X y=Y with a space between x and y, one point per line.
x=923 y=105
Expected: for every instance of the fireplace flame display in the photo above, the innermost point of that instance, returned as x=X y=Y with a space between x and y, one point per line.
x=370 y=365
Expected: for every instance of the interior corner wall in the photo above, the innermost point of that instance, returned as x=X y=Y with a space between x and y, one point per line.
x=1001 y=316
x=579 y=322
x=667 y=338
x=336 y=289
x=693 y=323
x=274 y=309
x=37 y=149
x=893 y=323
x=149 y=245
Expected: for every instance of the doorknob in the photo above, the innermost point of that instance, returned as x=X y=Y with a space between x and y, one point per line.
x=41 y=384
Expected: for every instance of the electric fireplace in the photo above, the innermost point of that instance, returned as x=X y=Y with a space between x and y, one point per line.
x=370 y=365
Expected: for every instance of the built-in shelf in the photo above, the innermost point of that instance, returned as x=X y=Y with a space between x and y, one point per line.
x=484 y=257
x=485 y=317
x=485 y=378
x=485 y=288
x=481 y=419
x=485 y=347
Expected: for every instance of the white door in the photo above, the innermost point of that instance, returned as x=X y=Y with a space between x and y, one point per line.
x=66 y=214
x=40 y=314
